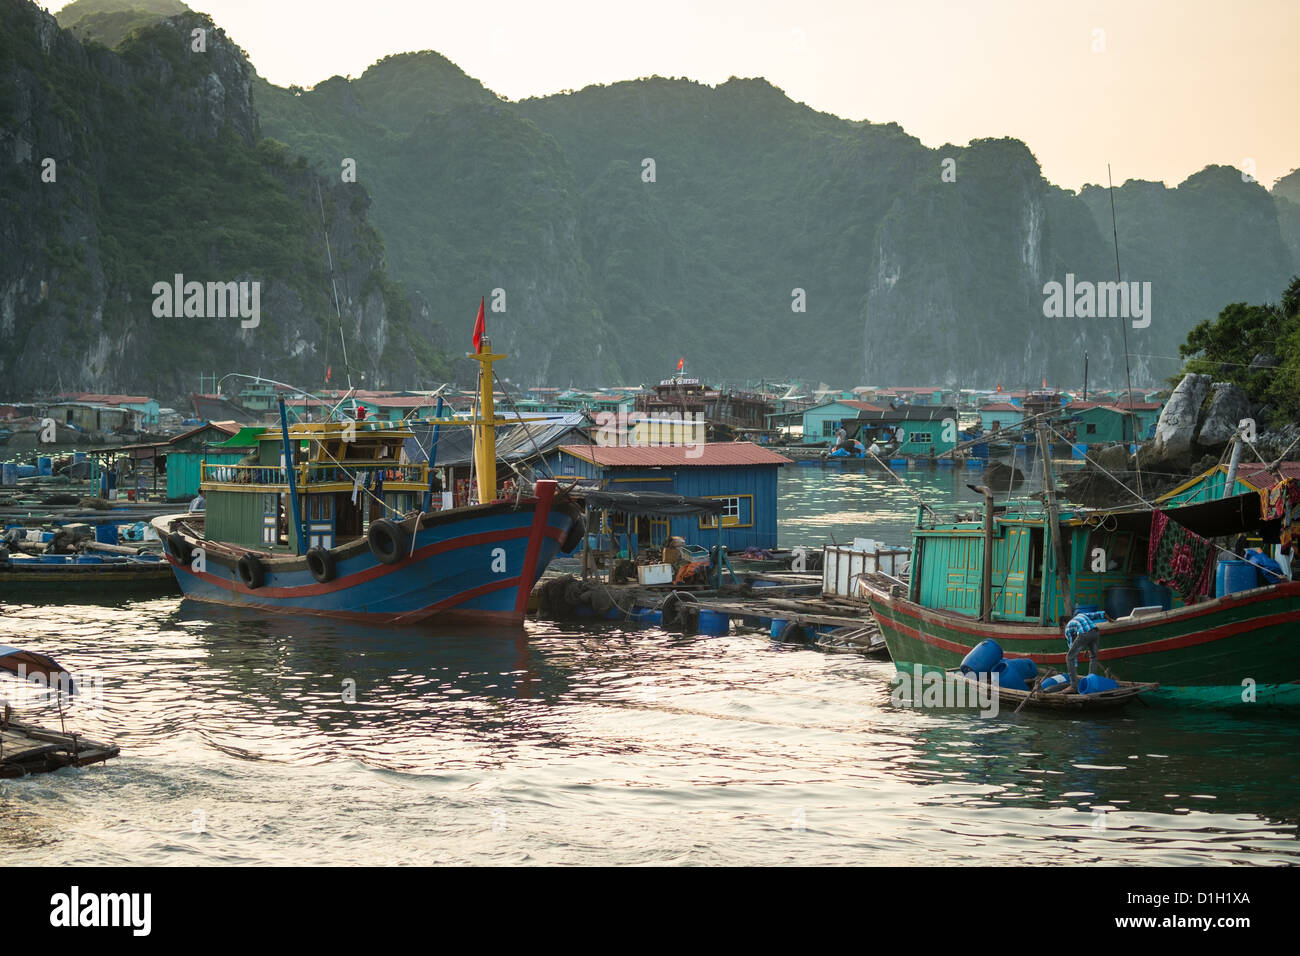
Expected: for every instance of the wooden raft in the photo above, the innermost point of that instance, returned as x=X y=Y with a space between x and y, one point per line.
x=29 y=749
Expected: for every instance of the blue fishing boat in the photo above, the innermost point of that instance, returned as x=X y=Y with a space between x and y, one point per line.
x=336 y=519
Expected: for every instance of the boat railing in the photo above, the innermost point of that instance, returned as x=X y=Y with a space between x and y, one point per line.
x=245 y=474
x=309 y=473
x=326 y=472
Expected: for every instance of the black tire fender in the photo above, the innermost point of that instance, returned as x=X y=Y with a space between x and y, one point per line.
x=389 y=541
x=577 y=534
x=795 y=633
x=180 y=547
x=250 y=572
x=321 y=564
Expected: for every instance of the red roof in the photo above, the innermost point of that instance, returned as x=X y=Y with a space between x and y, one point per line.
x=1260 y=477
x=1001 y=407
x=707 y=455
x=99 y=399
x=862 y=406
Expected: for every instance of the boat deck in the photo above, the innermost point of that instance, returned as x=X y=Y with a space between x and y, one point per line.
x=26 y=749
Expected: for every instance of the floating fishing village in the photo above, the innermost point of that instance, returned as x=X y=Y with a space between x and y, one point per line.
x=658 y=508
x=587 y=470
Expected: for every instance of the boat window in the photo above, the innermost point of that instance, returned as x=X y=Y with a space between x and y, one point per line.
x=1120 y=547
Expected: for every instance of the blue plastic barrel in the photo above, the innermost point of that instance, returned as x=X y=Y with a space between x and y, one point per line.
x=1153 y=595
x=1055 y=680
x=106 y=533
x=1079 y=450
x=1232 y=576
x=1120 y=601
x=714 y=622
x=1095 y=684
x=78 y=456
x=778 y=625
x=1015 y=673
x=44 y=466
x=8 y=474
x=983 y=657
x=26 y=471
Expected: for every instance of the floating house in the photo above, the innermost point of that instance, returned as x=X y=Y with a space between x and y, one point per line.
x=1097 y=423
x=821 y=421
x=1000 y=416
x=1208 y=486
x=740 y=474
x=94 y=419
x=920 y=430
x=145 y=409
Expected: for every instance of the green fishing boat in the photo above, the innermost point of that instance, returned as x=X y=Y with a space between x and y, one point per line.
x=1012 y=577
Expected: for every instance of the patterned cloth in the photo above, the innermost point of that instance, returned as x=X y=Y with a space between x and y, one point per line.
x=1180 y=558
x=1282 y=501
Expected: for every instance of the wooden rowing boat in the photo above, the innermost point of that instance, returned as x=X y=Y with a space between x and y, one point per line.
x=1063 y=700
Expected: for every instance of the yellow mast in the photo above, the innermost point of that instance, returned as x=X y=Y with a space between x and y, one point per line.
x=485 y=436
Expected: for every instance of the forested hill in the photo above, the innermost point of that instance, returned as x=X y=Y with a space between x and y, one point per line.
x=120 y=169
x=906 y=276
x=631 y=224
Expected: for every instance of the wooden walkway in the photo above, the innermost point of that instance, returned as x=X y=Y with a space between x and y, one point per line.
x=28 y=749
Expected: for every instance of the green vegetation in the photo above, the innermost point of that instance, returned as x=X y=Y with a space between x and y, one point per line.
x=608 y=273
x=109 y=22
x=1256 y=347
x=150 y=188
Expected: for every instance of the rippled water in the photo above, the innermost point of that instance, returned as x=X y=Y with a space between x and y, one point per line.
x=600 y=745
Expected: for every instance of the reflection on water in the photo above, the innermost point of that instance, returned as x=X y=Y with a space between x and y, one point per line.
x=261 y=738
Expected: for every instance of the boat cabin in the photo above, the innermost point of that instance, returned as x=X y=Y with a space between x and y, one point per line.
x=1107 y=553
x=347 y=474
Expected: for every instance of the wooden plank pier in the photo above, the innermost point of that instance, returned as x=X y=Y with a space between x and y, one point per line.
x=26 y=749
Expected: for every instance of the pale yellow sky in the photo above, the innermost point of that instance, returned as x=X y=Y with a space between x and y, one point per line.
x=1171 y=86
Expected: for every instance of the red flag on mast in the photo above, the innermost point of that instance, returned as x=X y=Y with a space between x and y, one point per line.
x=681 y=364
x=480 y=327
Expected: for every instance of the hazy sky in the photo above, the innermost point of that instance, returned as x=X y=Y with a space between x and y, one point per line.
x=1159 y=88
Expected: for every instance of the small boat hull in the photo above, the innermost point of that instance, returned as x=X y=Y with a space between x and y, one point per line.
x=1240 y=650
x=1063 y=701
x=137 y=577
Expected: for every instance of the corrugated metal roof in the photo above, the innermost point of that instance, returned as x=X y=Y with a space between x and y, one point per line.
x=910 y=413
x=102 y=399
x=1261 y=477
x=708 y=455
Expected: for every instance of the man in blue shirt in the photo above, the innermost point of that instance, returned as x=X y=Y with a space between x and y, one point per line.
x=1080 y=633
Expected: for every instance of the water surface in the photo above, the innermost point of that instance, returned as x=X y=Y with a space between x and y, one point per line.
x=604 y=746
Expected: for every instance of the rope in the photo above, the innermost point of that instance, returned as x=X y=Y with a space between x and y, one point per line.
x=891 y=474
x=527 y=430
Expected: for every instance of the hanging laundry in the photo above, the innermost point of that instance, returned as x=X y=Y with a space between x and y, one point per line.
x=1180 y=558
x=1282 y=503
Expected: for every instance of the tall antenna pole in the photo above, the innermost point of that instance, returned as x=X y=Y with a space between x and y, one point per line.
x=1123 y=324
x=329 y=256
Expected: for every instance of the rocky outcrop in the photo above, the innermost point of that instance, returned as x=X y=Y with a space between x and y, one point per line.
x=1176 y=429
x=1228 y=408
